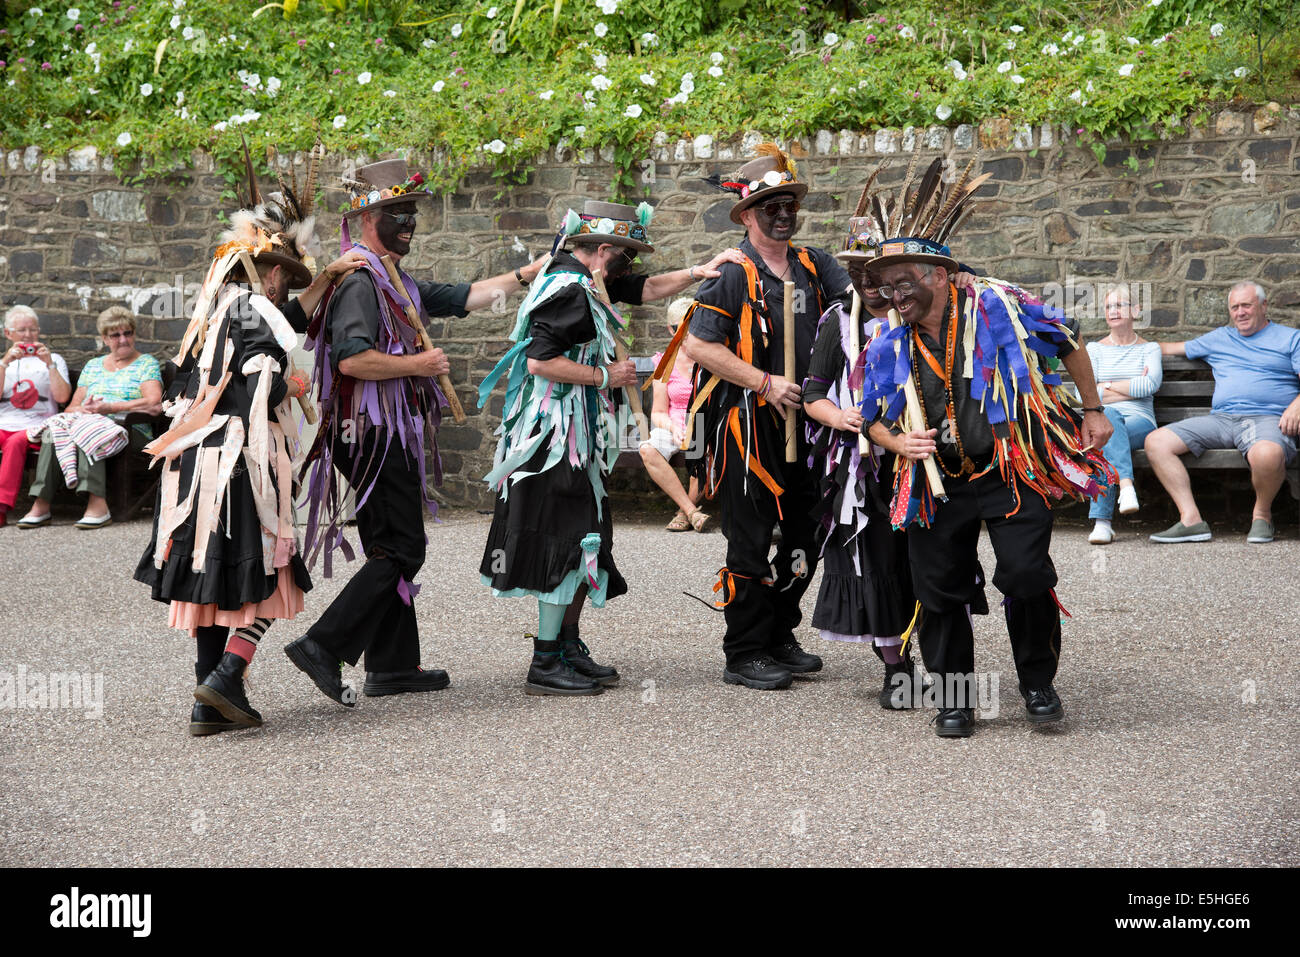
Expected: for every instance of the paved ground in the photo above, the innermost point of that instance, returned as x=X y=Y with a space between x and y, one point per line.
x=1179 y=676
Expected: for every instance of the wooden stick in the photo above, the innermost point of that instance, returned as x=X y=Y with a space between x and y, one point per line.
x=426 y=344
x=791 y=414
x=914 y=419
x=855 y=347
x=620 y=354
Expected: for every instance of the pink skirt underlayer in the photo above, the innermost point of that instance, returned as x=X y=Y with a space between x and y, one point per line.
x=285 y=602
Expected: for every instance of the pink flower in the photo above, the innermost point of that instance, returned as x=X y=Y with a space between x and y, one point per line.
x=45 y=66
x=78 y=28
x=465 y=84
x=3 y=64
x=301 y=44
x=379 y=41
x=871 y=38
x=337 y=71
x=458 y=71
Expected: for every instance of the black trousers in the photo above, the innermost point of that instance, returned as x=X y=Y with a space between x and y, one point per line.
x=369 y=615
x=946 y=576
x=763 y=616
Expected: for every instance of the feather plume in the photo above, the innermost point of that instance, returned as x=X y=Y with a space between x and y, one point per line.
x=950 y=201
x=783 y=162
x=866 y=191
x=947 y=225
x=901 y=206
x=254 y=196
x=718 y=183
x=926 y=194
x=307 y=198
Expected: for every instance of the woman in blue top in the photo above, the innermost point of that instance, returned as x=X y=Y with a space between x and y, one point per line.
x=1128 y=372
x=123 y=381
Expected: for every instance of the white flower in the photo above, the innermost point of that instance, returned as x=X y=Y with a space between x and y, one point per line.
x=601 y=82
x=123 y=139
x=1157 y=41
x=633 y=111
x=588 y=95
x=492 y=13
x=90 y=49
x=650 y=39
x=907 y=33
x=180 y=97
x=427 y=43
x=437 y=87
x=178 y=4
x=339 y=121
x=715 y=58
x=545 y=94
x=36 y=12
x=221 y=126
x=73 y=14
x=1077 y=96
x=607 y=6
x=272 y=85
x=1016 y=28
x=457 y=29
x=601 y=29
x=1065 y=37
x=1240 y=72
x=331 y=44
x=943 y=111
x=1017 y=78
x=715 y=71
x=957 y=69
x=175 y=21
x=126 y=47
x=648 y=79
x=390 y=93
x=496 y=146
x=187 y=33
x=1010 y=44
x=363 y=77
x=600 y=61
x=1154 y=3
x=1079 y=38
x=1004 y=66
x=1132 y=41
x=184 y=114
x=1216 y=30
x=1126 y=69
x=579 y=130
x=1051 y=49
x=1088 y=87
x=146 y=89
x=831 y=39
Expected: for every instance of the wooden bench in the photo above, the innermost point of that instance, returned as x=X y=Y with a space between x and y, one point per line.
x=631 y=458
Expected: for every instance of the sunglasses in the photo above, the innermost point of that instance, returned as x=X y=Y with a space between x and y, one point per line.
x=124 y=334
x=402 y=219
x=776 y=207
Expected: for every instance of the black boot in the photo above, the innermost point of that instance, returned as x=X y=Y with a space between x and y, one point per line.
x=903 y=685
x=549 y=673
x=322 y=668
x=204 y=719
x=223 y=689
x=954 y=722
x=578 y=657
x=794 y=659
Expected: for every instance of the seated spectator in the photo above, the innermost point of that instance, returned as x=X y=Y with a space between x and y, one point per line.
x=1128 y=371
x=1256 y=409
x=35 y=384
x=667 y=428
x=114 y=385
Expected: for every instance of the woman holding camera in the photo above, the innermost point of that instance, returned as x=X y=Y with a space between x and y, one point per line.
x=35 y=384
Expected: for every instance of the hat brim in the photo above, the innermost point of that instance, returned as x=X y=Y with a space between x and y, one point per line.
x=797 y=190
x=946 y=262
x=391 y=201
x=853 y=256
x=299 y=275
x=598 y=238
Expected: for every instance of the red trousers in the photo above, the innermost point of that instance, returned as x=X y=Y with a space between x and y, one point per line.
x=13 y=459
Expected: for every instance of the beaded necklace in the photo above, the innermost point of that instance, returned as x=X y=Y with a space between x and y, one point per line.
x=944 y=372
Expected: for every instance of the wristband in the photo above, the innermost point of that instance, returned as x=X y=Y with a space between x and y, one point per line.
x=520 y=276
x=1097 y=409
x=604 y=378
x=691 y=272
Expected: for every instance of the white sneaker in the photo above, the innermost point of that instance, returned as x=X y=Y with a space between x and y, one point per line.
x=1128 y=500
x=1102 y=534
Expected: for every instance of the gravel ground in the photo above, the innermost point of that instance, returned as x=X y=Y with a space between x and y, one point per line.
x=1178 y=675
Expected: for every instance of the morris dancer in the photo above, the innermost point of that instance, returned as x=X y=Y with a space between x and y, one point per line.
x=551 y=534
x=733 y=331
x=992 y=411
x=223 y=551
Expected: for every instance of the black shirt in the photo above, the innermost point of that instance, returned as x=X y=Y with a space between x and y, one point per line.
x=354 y=311
x=729 y=291
x=564 y=320
x=972 y=423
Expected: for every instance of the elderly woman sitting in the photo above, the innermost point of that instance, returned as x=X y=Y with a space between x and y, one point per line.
x=123 y=381
x=35 y=383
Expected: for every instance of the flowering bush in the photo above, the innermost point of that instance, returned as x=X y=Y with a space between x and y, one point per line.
x=500 y=83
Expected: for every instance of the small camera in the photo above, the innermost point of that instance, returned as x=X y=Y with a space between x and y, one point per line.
x=29 y=348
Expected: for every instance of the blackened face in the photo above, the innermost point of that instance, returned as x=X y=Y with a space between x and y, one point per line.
x=915 y=297
x=396 y=226
x=868 y=289
x=776 y=217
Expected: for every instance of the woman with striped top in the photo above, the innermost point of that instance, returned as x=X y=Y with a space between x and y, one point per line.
x=1128 y=372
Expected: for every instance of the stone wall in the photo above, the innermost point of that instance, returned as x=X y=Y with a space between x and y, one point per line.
x=1218 y=203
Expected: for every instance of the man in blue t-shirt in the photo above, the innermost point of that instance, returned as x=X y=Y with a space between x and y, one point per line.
x=1256 y=409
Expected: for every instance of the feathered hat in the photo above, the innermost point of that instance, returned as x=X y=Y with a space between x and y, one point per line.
x=277 y=228
x=611 y=223
x=772 y=172
x=915 y=225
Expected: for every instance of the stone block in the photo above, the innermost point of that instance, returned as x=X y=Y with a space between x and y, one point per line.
x=26 y=264
x=1243 y=219
x=995 y=134
x=963 y=137
x=1230 y=123
x=887 y=141
x=1274 y=152
x=1205 y=306
x=936 y=137
x=118 y=206
x=1006 y=168
x=1108 y=208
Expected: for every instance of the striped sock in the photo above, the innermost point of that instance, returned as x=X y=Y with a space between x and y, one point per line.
x=244 y=641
